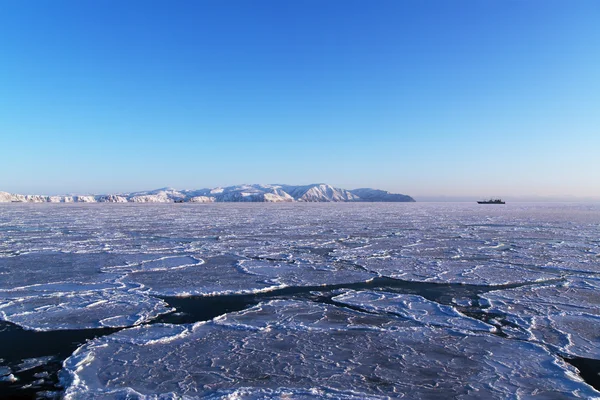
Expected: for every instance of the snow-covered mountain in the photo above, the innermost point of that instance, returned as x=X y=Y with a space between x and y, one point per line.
x=319 y=193
x=366 y=194
x=239 y=193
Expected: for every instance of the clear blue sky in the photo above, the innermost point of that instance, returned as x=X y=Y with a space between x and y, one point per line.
x=421 y=97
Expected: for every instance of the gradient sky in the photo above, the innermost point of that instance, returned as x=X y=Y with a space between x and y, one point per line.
x=423 y=97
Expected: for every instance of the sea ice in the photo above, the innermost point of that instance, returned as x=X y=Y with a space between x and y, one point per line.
x=30 y=363
x=412 y=307
x=73 y=266
x=565 y=315
x=288 y=346
x=81 y=310
x=217 y=275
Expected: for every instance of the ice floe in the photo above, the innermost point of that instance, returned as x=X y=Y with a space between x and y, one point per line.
x=412 y=307
x=81 y=310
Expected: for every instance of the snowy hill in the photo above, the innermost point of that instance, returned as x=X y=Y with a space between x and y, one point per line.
x=319 y=193
x=239 y=193
x=366 y=194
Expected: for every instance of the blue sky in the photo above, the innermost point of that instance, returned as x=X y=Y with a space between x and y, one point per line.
x=453 y=98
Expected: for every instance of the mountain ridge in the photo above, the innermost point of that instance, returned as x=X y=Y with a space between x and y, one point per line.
x=270 y=193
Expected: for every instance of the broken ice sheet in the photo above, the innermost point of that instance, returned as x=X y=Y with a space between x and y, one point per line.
x=565 y=315
x=164 y=263
x=304 y=273
x=290 y=346
x=217 y=275
x=57 y=271
x=46 y=252
x=82 y=310
x=453 y=271
x=412 y=307
x=30 y=363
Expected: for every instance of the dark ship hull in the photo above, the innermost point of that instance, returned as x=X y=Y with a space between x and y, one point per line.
x=496 y=201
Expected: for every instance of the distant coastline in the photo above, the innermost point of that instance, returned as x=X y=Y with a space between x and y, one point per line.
x=239 y=193
x=511 y=199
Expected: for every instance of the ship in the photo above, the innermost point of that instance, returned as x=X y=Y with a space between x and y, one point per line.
x=491 y=201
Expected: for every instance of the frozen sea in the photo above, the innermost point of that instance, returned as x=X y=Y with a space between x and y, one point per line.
x=333 y=301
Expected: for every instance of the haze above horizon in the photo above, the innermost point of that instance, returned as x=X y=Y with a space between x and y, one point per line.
x=425 y=98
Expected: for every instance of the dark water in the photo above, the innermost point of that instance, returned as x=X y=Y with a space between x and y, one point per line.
x=17 y=344
x=589 y=369
x=194 y=309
